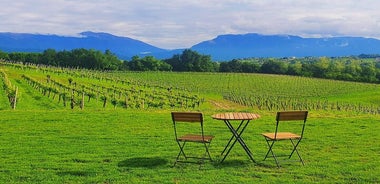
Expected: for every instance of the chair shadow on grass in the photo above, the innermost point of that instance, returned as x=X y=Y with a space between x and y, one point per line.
x=144 y=162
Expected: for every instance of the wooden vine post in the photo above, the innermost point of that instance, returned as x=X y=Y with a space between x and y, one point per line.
x=82 y=101
x=72 y=103
x=104 y=102
x=15 y=99
x=126 y=101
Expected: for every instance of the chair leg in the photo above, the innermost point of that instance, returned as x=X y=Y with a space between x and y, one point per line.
x=270 y=150
x=181 y=148
x=207 y=151
x=295 y=150
x=201 y=159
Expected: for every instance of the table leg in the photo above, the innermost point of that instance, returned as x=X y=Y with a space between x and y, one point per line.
x=233 y=136
x=238 y=138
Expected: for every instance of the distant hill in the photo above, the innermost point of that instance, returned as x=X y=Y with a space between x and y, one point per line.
x=221 y=48
x=255 y=45
x=123 y=47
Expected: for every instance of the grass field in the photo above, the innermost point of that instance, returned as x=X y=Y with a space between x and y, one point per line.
x=44 y=142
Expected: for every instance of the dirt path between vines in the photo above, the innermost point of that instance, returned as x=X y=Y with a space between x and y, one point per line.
x=225 y=105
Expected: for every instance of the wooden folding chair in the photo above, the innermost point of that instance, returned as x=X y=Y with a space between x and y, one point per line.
x=295 y=139
x=196 y=135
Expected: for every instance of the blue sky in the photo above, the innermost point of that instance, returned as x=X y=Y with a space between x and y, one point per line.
x=180 y=24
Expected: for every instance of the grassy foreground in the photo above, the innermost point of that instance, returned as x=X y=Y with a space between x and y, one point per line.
x=132 y=146
x=43 y=141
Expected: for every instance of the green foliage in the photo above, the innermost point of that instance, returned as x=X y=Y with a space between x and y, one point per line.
x=191 y=61
x=90 y=59
x=10 y=90
x=4 y=55
x=340 y=68
x=148 y=63
x=363 y=68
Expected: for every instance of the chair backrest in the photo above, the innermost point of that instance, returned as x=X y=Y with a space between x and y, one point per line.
x=292 y=116
x=190 y=117
x=187 y=117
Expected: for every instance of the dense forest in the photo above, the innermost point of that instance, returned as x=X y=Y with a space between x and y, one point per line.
x=362 y=68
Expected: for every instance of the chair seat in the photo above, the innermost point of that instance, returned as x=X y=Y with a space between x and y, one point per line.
x=196 y=138
x=281 y=136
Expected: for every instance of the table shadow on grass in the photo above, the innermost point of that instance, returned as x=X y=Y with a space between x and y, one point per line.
x=238 y=163
x=145 y=162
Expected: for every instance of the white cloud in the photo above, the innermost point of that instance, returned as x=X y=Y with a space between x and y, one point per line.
x=180 y=23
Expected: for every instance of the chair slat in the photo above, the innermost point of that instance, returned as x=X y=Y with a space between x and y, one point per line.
x=291 y=115
x=187 y=116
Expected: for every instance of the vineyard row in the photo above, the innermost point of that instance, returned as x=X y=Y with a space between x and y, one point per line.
x=10 y=90
x=128 y=98
x=291 y=103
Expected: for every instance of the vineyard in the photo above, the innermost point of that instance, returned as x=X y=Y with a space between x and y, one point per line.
x=78 y=88
x=82 y=89
x=10 y=90
x=276 y=92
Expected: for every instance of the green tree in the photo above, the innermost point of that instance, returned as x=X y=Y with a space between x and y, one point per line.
x=65 y=59
x=49 y=57
x=4 y=55
x=369 y=72
x=295 y=68
x=335 y=69
x=32 y=58
x=17 y=56
x=148 y=63
x=320 y=67
x=111 y=61
x=192 y=61
x=250 y=66
x=135 y=64
x=274 y=66
x=234 y=65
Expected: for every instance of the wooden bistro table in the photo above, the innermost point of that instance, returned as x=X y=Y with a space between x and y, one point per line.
x=244 y=119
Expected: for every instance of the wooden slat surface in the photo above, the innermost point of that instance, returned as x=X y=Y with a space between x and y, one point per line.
x=196 y=138
x=236 y=116
x=281 y=136
x=291 y=115
x=187 y=116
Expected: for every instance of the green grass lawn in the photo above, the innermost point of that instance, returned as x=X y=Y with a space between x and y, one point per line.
x=43 y=141
x=127 y=146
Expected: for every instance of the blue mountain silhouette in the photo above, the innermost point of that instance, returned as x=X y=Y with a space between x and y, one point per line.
x=221 y=48
x=255 y=45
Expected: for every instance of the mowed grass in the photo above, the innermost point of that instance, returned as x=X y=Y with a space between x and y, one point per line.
x=129 y=146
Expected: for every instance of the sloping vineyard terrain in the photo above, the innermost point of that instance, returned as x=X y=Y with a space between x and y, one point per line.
x=275 y=92
x=77 y=88
x=72 y=88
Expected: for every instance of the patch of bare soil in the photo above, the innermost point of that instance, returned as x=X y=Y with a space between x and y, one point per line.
x=225 y=105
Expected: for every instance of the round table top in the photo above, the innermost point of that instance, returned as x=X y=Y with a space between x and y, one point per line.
x=236 y=116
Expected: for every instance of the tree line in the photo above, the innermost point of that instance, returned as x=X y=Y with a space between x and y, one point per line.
x=362 y=68
x=352 y=68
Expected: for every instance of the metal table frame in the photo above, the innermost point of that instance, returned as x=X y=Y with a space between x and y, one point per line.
x=244 y=118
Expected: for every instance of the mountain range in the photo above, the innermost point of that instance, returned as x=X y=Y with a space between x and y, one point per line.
x=221 y=48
